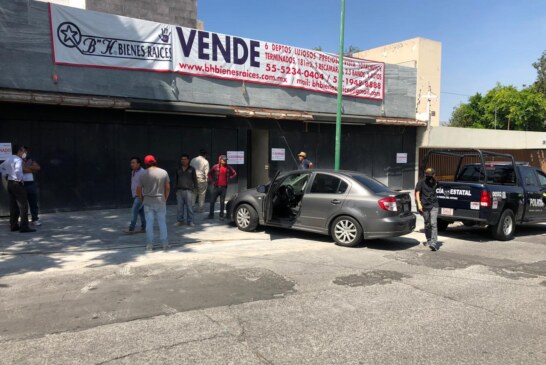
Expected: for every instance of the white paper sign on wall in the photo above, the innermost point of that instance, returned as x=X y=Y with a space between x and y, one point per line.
x=236 y=157
x=5 y=151
x=401 y=158
x=278 y=154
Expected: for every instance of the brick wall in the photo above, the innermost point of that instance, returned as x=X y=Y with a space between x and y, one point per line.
x=178 y=12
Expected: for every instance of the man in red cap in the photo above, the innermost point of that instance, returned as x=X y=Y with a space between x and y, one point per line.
x=153 y=190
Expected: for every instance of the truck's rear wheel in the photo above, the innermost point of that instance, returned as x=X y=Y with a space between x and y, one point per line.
x=504 y=230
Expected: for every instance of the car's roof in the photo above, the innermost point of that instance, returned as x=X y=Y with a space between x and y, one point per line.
x=331 y=171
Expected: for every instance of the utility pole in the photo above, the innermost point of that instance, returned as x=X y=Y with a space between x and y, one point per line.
x=340 y=88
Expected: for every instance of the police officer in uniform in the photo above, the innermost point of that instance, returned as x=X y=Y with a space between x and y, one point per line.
x=427 y=205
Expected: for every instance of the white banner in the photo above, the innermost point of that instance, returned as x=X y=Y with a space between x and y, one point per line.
x=209 y=54
x=88 y=38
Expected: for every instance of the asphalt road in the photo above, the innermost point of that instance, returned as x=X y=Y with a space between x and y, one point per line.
x=289 y=298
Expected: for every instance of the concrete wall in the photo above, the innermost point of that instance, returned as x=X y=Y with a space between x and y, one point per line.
x=483 y=138
x=423 y=54
x=180 y=12
x=26 y=63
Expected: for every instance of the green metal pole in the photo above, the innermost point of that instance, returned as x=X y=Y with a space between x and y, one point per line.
x=340 y=87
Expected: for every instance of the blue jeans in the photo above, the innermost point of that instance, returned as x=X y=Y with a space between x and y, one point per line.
x=218 y=191
x=151 y=212
x=137 y=211
x=431 y=225
x=184 y=199
x=32 y=196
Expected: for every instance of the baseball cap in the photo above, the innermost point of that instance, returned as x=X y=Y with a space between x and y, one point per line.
x=223 y=157
x=149 y=159
x=302 y=154
x=430 y=172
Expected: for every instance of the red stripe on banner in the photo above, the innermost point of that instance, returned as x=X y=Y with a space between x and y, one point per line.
x=112 y=67
x=275 y=85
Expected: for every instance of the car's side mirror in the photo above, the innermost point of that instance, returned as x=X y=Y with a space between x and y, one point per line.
x=262 y=189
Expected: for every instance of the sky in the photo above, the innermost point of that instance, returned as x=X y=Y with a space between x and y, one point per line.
x=484 y=42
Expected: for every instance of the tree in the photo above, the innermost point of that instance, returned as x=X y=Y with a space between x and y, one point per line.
x=540 y=66
x=351 y=50
x=503 y=107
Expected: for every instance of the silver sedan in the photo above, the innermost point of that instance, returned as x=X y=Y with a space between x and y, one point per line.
x=347 y=205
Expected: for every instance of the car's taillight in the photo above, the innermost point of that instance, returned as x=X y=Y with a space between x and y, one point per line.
x=485 y=199
x=388 y=204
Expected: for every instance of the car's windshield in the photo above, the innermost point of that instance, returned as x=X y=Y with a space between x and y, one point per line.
x=297 y=181
x=371 y=184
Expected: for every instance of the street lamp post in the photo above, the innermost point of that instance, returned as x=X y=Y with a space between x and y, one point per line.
x=340 y=87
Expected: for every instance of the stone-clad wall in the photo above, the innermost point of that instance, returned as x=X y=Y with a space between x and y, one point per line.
x=179 y=12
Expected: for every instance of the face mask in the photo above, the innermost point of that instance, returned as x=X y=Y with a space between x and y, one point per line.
x=24 y=156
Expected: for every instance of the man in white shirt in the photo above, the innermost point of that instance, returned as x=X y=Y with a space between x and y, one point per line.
x=201 y=166
x=13 y=169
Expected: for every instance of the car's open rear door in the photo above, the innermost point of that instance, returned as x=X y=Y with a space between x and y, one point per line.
x=268 y=201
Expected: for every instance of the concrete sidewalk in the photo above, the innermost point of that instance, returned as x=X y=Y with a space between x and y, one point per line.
x=95 y=230
x=104 y=230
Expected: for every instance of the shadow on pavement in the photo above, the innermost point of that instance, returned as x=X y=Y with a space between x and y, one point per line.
x=481 y=234
x=77 y=233
x=391 y=244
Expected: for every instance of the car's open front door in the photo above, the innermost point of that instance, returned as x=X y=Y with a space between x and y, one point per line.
x=268 y=206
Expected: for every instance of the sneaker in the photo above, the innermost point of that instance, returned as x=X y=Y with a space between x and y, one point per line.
x=425 y=243
x=433 y=247
x=179 y=223
x=221 y=215
x=191 y=224
x=129 y=231
x=36 y=223
x=149 y=247
x=15 y=229
x=166 y=246
x=27 y=230
x=143 y=230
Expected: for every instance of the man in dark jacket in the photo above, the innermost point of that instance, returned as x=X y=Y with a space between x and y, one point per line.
x=219 y=176
x=185 y=182
x=427 y=205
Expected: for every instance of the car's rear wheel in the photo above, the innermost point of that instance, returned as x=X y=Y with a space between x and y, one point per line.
x=346 y=231
x=246 y=218
x=505 y=229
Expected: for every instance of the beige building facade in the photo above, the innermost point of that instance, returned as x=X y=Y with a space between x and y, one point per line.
x=426 y=56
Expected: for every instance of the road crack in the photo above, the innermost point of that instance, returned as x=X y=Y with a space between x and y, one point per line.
x=166 y=347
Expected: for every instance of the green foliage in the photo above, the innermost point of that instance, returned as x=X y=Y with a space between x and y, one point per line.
x=540 y=66
x=503 y=107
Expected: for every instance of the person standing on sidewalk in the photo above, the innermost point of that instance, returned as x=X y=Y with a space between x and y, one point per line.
x=153 y=190
x=30 y=167
x=427 y=205
x=219 y=176
x=201 y=166
x=185 y=182
x=137 y=210
x=18 y=201
x=304 y=163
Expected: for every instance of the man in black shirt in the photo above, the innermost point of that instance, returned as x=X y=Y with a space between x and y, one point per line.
x=185 y=182
x=427 y=205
